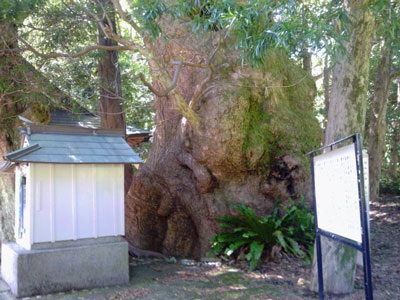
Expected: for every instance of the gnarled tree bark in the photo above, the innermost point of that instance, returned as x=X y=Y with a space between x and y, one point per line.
x=240 y=145
x=22 y=90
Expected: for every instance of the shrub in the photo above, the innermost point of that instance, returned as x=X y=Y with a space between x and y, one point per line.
x=292 y=230
x=389 y=186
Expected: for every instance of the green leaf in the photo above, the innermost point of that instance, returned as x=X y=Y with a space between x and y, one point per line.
x=256 y=250
x=295 y=248
x=278 y=234
x=249 y=234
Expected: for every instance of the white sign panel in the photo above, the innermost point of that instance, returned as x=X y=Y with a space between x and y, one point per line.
x=336 y=193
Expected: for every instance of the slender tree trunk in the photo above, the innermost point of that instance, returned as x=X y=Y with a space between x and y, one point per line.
x=395 y=141
x=110 y=103
x=394 y=153
x=307 y=61
x=346 y=116
x=377 y=122
x=327 y=90
x=327 y=85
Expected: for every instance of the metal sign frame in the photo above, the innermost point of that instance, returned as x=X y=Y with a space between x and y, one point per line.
x=365 y=242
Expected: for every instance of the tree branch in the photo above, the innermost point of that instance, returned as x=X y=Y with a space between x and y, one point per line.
x=125 y=17
x=394 y=75
x=170 y=88
x=199 y=88
x=76 y=54
x=320 y=75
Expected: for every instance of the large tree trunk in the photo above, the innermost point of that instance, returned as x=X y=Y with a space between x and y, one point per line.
x=243 y=147
x=9 y=108
x=377 y=122
x=346 y=116
x=22 y=90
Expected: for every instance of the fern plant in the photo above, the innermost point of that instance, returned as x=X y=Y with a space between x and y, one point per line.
x=293 y=230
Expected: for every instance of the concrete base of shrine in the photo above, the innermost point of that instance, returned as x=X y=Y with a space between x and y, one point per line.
x=73 y=265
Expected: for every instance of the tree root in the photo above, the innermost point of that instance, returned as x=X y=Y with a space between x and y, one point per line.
x=140 y=253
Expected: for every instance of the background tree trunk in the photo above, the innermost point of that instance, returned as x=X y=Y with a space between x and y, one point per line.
x=110 y=103
x=377 y=122
x=243 y=149
x=394 y=153
x=327 y=90
x=346 y=116
x=395 y=141
x=307 y=61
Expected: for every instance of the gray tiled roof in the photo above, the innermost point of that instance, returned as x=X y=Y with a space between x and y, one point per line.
x=86 y=120
x=75 y=148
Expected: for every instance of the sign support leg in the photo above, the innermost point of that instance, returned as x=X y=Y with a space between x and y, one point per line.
x=319 y=264
x=367 y=276
x=364 y=221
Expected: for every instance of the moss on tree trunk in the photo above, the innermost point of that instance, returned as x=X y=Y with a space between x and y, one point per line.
x=346 y=116
x=254 y=125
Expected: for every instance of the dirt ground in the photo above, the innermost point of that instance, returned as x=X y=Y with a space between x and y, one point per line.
x=287 y=279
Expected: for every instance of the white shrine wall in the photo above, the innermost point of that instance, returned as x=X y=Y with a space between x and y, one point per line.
x=73 y=201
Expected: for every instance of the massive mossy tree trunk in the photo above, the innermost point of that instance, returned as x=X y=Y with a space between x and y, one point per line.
x=346 y=116
x=377 y=122
x=245 y=142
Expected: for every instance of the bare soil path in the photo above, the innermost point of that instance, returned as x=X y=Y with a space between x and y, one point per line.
x=287 y=279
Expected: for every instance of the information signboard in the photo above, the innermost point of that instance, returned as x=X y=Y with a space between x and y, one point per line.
x=341 y=211
x=336 y=193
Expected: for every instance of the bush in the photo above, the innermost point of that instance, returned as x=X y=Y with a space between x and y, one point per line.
x=293 y=231
x=389 y=186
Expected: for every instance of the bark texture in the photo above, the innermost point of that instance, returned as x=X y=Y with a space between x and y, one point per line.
x=377 y=122
x=395 y=141
x=111 y=109
x=10 y=79
x=253 y=127
x=346 y=116
x=394 y=153
x=25 y=91
x=110 y=103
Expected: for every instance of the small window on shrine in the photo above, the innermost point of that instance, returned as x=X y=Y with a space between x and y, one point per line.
x=22 y=206
x=23 y=191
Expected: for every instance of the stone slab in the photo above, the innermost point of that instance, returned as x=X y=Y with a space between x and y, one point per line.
x=75 y=243
x=43 y=271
